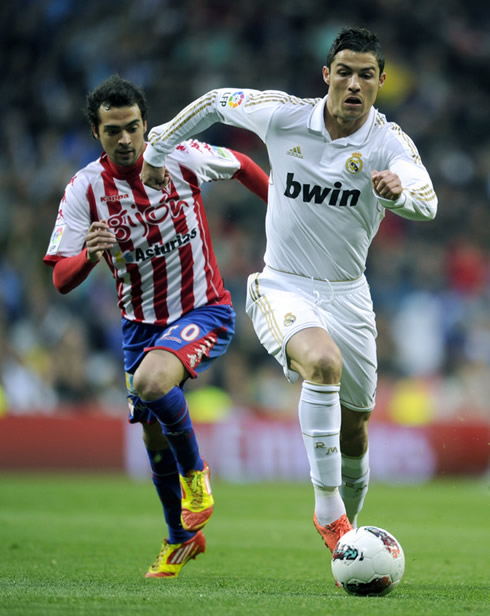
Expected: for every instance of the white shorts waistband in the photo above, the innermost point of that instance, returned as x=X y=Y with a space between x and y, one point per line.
x=315 y=284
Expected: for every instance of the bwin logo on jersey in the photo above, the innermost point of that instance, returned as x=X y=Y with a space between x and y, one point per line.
x=319 y=194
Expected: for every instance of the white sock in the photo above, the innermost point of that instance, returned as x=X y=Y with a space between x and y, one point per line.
x=320 y=417
x=355 y=482
x=329 y=505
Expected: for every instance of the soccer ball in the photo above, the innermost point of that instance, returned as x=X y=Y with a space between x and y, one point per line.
x=368 y=561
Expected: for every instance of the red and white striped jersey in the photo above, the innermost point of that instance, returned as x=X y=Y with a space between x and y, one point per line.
x=164 y=264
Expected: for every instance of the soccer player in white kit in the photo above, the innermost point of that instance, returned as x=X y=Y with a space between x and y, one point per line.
x=177 y=317
x=337 y=165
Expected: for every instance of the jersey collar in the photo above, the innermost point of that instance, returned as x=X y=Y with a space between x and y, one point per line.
x=316 y=125
x=120 y=171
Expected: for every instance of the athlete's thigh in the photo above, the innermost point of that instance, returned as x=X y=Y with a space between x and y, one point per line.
x=163 y=367
x=278 y=312
x=351 y=324
x=313 y=354
x=186 y=347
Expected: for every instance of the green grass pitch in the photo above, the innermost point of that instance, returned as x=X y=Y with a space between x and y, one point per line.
x=80 y=545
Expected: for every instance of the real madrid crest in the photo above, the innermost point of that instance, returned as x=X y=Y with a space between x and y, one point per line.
x=289 y=319
x=354 y=163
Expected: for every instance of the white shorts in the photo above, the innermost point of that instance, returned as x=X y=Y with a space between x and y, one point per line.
x=281 y=304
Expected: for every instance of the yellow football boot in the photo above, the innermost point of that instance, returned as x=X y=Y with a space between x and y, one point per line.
x=197 y=500
x=173 y=556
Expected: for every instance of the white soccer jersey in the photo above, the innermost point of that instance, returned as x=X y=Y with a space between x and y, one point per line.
x=149 y=225
x=322 y=211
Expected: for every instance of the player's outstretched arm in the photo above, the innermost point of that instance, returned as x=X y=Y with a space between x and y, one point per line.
x=225 y=105
x=193 y=119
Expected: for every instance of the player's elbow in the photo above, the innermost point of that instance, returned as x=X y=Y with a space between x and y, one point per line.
x=60 y=284
x=431 y=211
x=428 y=209
x=64 y=289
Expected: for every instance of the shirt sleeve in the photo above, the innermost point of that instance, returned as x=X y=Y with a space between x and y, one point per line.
x=418 y=200
x=69 y=272
x=72 y=222
x=252 y=176
x=246 y=108
x=213 y=163
x=66 y=251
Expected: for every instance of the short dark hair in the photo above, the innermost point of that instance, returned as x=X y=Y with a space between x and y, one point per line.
x=357 y=39
x=115 y=92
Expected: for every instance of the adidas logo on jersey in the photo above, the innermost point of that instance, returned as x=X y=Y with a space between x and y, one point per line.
x=295 y=152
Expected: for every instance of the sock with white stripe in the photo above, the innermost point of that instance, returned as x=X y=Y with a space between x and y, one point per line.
x=320 y=418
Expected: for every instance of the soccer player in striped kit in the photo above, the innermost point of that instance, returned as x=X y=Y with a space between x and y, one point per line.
x=177 y=317
x=337 y=165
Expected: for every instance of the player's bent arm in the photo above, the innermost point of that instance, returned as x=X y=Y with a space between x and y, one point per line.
x=69 y=272
x=252 y=176
x=418 y=200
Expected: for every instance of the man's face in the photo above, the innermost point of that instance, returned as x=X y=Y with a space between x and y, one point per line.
x=121 y=132
x=354 y=81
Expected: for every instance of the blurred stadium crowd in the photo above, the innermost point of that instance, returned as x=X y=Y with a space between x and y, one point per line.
x=430 y=281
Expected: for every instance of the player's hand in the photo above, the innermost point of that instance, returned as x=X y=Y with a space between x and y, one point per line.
x=99 y=238
x=154 y=177
x=386 y=184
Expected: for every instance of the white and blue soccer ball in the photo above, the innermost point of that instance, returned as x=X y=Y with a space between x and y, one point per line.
x=368 y=561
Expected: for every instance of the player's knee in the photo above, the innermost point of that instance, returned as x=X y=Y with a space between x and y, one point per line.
x=150 y=385
x=324 y=365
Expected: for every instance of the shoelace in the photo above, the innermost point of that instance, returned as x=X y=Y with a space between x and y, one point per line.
x=342 y=527
x=195 y=488
x=162 y=553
